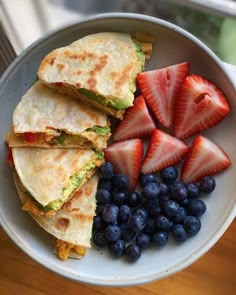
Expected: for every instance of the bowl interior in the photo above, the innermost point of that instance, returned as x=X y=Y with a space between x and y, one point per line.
x=172 y=45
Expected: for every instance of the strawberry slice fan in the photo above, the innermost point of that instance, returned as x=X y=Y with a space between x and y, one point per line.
x=160 y=88
x=126 y=157
x=204 y=158
x=200 y=105
x=137 y=122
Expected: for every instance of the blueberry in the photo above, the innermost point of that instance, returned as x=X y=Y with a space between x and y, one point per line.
x=141 y=211
x=120 y=182
x=99 y=209
x=151 y=190
x=179 y=233
x=178 y=192
x=163 y=223
x=112 y=232
x=103 y=197
x=136 y=222
x=169 y=174
x=185 y=203
x=124 y=213
x=117 y=248
x=98 y=223
x=171 y=208
x=107 y=170
x=148 y=178
x=160 y=238
x=105 y=184
x=207 y=184
x=193 y=190
x=119 y=198
x=163 y=199
x=164 y=189
x=99 y=239
x=192 y=225
x=127 y=234
x=110 y=213
x=150 y=203
x=180 y=216
x=143 y=240
x=196 y=207
x=134 y=199
x=133 y=252
x=150 y=226
x=154 y=211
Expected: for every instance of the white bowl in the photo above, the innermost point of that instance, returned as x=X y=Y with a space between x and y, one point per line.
x=173 y=45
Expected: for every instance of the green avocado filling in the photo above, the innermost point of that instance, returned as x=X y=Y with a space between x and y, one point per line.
x=65 y=138
x=116 y=102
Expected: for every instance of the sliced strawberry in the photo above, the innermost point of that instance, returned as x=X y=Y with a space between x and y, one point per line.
x=126 y=157
x=137 y=122
x=204 y=158
x=30 y=137
x=199 y=106
x=163 y=150
x=9 y=156
x=160 y=88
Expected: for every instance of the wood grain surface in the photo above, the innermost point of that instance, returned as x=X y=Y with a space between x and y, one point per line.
x=212 y=274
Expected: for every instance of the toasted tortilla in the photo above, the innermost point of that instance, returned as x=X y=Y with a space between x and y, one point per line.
x=74 y=221
x=51 y=175
x=47 y=114
x=104 y=64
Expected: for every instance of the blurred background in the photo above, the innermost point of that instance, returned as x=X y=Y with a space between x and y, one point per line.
x=212 y=21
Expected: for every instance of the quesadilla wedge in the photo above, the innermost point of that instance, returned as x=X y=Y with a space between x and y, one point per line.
x=47 y=118
x=52 y=176
x=72 y=224
x=99 y=69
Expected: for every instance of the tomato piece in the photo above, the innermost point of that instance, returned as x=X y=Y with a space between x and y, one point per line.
x=29 y=137
x=9 y=156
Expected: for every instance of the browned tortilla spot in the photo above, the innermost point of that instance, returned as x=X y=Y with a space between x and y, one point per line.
x=83 y=217
x=60 y=67
x=62 y=223
x=82 y=56
x=60 y=155
x=88 y=191
x=52 y=61
x=123 y=77
x=92 y=84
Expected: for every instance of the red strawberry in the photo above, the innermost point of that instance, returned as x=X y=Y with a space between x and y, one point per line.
x=199 y=106
x=160 y=88
x=163 y=150
x=204 y=158
x=126 y=157
x=137 y=122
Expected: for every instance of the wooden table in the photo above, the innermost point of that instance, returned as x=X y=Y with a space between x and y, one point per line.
x=214 y=273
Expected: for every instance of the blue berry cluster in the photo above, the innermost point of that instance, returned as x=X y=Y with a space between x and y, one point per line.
x=129 y=222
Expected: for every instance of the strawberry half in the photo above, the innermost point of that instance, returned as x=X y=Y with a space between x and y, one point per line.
x=163 y=150
x=137 y=122
x=205 y=158
x=160 y=88
x=199 y=106
x=126 y=157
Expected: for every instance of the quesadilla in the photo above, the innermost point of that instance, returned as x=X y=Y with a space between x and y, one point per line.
x=47 y=118
x=99 y=69
x=52 y=176
x=72 y=224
